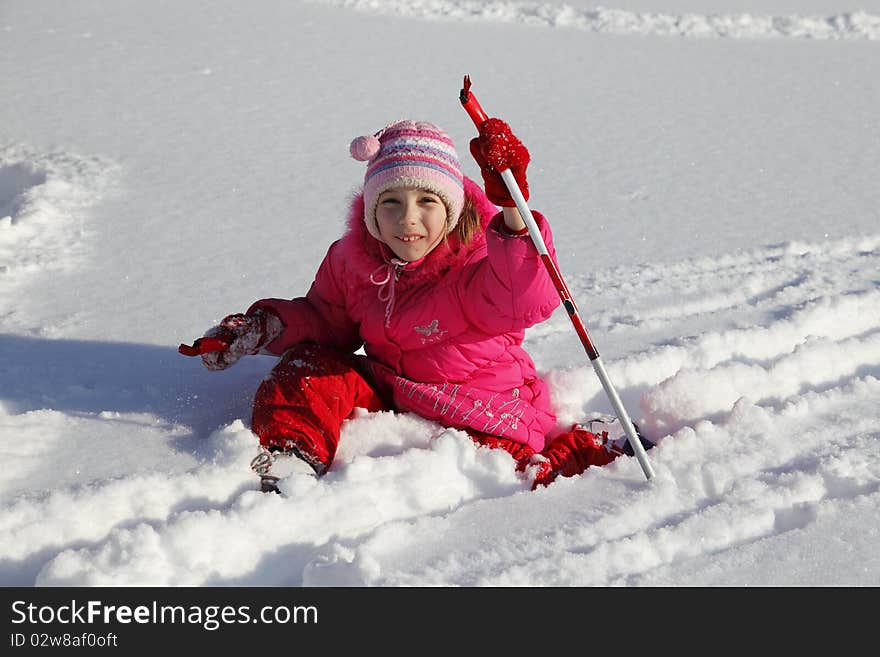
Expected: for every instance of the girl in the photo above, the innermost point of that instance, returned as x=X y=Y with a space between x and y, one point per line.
x=438 y=287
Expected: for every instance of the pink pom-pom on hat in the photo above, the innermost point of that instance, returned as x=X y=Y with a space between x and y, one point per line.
x=364 y=148
x=410 y=154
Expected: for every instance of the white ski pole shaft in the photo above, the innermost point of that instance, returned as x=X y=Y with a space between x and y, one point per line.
x=595 y=358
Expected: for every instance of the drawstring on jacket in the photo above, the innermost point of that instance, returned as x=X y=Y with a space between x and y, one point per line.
x=386 y=294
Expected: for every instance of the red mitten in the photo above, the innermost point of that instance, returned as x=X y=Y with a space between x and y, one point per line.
x=495 y=150
x=246 y=335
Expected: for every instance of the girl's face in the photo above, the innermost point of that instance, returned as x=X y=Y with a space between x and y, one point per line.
x=411 y=221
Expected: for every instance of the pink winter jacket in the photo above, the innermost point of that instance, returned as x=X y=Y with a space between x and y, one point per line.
x=442 y=334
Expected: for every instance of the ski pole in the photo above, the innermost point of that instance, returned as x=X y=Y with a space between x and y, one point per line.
x=203 y=346
x=478 y=116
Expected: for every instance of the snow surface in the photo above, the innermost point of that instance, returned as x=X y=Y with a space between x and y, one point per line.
x=709 y=168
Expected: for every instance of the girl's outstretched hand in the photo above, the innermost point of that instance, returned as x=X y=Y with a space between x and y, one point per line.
x=495 y=150
x=246 y=335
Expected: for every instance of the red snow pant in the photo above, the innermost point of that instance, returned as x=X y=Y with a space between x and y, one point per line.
x=301 y=405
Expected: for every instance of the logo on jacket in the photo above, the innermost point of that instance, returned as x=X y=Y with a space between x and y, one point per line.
x=432 y=331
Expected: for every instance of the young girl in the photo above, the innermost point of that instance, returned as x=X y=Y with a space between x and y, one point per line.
x=438 y=287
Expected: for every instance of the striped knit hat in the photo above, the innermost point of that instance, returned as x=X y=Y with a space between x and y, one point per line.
x=411 y=154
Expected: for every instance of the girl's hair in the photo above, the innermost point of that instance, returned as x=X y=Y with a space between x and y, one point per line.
x=469 y=223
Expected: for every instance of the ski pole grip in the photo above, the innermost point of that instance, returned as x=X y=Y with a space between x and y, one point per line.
x=203 y=346
x=471 y=104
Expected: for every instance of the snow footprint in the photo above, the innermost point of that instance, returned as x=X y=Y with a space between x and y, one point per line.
x=43 y=199
x=16 y=181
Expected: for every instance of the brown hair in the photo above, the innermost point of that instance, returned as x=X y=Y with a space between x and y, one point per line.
x=469 y=222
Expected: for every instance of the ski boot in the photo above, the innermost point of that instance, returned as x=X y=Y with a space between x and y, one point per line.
x=609 y=428
x=273 y=465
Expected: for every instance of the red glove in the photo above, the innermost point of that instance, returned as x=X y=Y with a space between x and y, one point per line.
x=495 y=150
x=246 y=335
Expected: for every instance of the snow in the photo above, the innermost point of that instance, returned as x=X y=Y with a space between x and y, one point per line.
x=709 y=169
